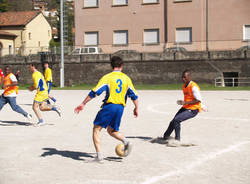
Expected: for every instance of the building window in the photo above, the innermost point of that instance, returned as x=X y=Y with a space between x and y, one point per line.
x=120 y=2
x=120 y=38
x=151 y=36
x=90 y=3
x=29 y=36
x=183 y=35
x=181 y=1
x=150 y=1
x=91 y=38
x=246 y=32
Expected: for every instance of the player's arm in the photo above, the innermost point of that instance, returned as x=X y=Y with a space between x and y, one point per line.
x=132 y=93
x=35 y=85
x=82 y=105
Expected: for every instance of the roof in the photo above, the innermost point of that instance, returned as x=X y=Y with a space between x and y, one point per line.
x=5 y=33
x=17 y=18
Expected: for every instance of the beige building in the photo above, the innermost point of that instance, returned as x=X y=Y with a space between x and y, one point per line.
x=31 y=30
x=154 y=25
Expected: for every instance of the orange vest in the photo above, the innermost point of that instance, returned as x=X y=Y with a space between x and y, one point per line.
x=11 y=89
x=188 y=96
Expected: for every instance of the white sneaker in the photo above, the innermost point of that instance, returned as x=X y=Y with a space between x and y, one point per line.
x=58 y=110
x=97 y=160
x=29 y=117
x=127 y=149
x=174 y=143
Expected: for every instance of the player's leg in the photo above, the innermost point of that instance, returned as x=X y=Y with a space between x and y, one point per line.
x=172 y=125
x=184 y=115
x=48 y=107
x=35 y=108
x=17 y=108
x=97 y=141
x=3 y=101
x=49 y=84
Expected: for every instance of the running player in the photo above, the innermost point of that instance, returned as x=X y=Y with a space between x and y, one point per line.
x=191 y=106
x=10 y=93
x=41 y=95
x=118 y=86
x=48 y=79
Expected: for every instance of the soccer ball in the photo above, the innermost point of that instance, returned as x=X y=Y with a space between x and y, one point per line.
x=119 y=150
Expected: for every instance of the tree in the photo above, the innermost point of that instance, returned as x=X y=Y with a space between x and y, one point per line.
x=20 y=5
x=3 y=6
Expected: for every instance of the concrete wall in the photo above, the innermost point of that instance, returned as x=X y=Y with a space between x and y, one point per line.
x=143 y=68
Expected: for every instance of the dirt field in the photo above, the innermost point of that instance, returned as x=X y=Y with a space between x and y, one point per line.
x=59 y=152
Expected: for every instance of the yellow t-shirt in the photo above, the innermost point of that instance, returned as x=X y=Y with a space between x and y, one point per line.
x=41 y=87
x=48 y=75
x=118 y=87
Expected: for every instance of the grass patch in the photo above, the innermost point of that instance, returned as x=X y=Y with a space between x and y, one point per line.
x=149 y=87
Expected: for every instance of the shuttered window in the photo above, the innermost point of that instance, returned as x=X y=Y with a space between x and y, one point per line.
x=246 y=32
x=120 y=38
x=120 y=2
x=90 y=3
x=183 y=35
x=150 y=1
x=151 y=36
x=91 y=38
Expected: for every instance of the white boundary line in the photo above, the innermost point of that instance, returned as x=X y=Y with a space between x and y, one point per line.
x=187 y=168
x=151 y=108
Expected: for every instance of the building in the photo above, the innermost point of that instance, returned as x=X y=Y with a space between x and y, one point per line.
x=39 y=5
x=29 y=31
x=154 y=25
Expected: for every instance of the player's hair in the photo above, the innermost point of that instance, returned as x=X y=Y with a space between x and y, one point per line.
x=116 y=61
x=45 y=62
x=187 y=71
x=34 y=65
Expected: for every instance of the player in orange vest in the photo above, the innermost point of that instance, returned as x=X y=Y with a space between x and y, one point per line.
x=191 y=106
x=10 y=93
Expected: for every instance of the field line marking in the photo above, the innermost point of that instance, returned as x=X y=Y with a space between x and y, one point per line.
x=151 y=108
x=184 y=170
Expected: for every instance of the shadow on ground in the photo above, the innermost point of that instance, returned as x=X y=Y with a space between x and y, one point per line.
x=69 y=154
x=14 y=123
x=140 y=137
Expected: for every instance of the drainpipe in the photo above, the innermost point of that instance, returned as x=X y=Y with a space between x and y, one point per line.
x=207 y=48
x=165 y=23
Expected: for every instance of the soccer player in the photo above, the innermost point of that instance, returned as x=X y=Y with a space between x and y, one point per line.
x=41 y=95
x=48 y=79
x=191 y=106
x=118 y=86
x=10 y=93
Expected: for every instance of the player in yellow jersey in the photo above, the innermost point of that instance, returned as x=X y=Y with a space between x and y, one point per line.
x=118 y=86
x=191 y=106
x=48 y=78
x=41 y=95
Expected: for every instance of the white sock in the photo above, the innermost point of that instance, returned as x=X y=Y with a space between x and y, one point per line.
x=125 y=141
x=99 y=155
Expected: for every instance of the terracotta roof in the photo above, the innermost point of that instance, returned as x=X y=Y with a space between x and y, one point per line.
x=5 y=33
x=17 y=18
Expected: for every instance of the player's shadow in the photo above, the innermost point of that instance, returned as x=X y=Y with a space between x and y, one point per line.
x=14 y=123
x=140 y=137
x=69 y=154
x=113 y=159
x=26 y=104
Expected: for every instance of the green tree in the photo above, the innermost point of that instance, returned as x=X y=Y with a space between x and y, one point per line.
x=4 y=6
x=20 y=5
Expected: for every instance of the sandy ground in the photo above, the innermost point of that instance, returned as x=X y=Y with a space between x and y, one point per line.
x=59 y=153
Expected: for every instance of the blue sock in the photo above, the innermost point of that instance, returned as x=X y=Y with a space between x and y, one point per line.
x=53 y=99
x=40 y=120
x=48 y=102
x=53 y=108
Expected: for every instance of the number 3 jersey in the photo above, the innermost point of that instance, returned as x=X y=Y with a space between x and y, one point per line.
x=118 y=87
x=41 y=87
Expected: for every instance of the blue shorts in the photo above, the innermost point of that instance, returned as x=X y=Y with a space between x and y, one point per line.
x=49 y=84
x=110 y=115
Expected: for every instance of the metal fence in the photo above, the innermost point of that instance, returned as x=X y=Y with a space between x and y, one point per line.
x=231 y=81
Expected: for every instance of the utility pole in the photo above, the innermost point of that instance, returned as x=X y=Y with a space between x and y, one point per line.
x=62 y=45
